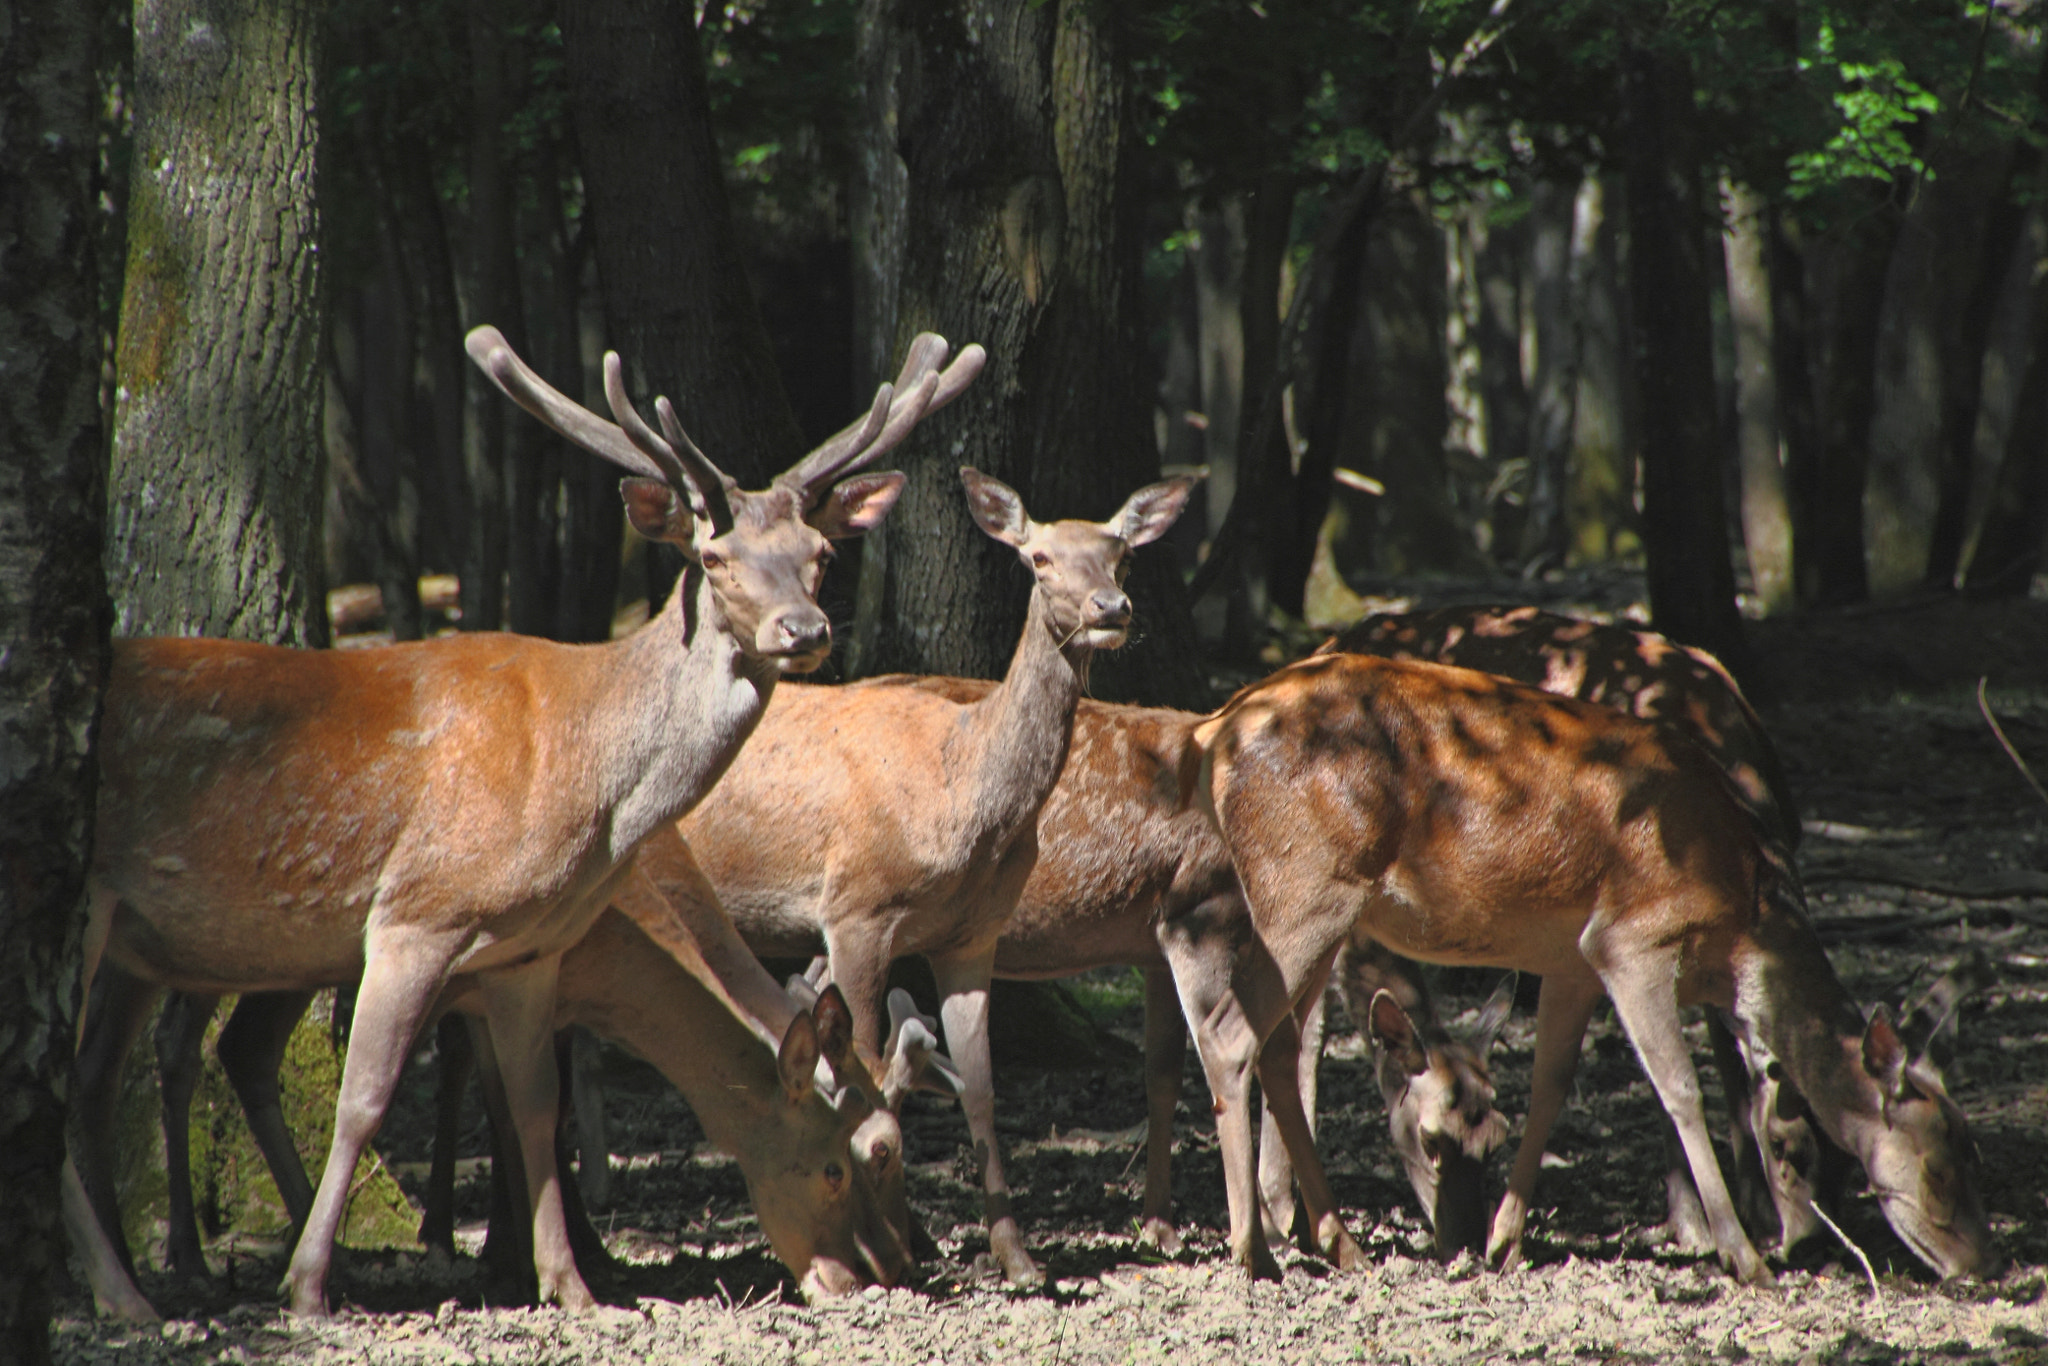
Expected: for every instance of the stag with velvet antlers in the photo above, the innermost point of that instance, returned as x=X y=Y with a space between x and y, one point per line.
x=278 y=820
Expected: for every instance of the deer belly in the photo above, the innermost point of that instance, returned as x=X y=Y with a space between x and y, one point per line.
x=1477 y=934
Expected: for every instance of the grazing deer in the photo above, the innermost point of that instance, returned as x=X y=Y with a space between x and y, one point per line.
x=1639 y=673
x=642 y=983
x=1130 y=871
x=916 y=827
x=1463 y=818
x=277 y=820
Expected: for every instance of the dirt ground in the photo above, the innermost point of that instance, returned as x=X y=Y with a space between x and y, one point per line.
x=1933 y=844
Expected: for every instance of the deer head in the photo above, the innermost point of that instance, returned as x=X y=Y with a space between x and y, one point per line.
x=1439 y=1095
x=1078 y=567
x=762 y=553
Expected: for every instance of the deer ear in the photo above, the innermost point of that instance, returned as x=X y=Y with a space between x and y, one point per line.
x=656 y=513
x=996 y=507
x=1394 y=1032
x=1493 y=1016
x=1147 y=514
x=835 y=1025
x=1883 y=1053
x=797 y=1059
x=857 y=505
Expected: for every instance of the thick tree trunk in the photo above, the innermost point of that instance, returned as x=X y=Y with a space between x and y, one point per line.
x=1556 y=372
x=1922 y=373
x=1219 y=263
x=1766 y=511
x=1798 y=414
x=1685 y=529
x=1600 y=487
x=217 y=479
x=678 y=308
x=2009 y=549
x=1845 y=279
x=54 y=617
x=1012 y=126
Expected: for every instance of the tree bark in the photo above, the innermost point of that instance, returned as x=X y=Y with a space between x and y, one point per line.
x=1549 y=285
x=54 y=617
x=1685 y=536
x=1766 y=512
x=1012 y=125
x=1600 y=490
x=2009 y=550
x=1799 y=418
x=1845 y=277
x=217 y=478
x=1921 y=372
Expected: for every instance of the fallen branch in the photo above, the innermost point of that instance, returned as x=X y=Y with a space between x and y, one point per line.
x=1836 y=1229
x=2011 y=753
x=1892 y=870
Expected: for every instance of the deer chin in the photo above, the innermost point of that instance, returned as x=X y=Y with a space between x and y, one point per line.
x=827 y=1278
x=798 y=664
x=1105 y=637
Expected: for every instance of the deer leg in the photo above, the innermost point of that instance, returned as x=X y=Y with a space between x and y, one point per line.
x=1563 y=1010
x=180 y=1031
x=457 y=1057
x=963 y=1007
x=1228 y=1048
x=1646 y=1001
x=403 y=971
x=1166 y=1044
x=1276 y=1172
x=1753 y=1198
x=586 y=1090
x=116 y=1011
x=251 y=1048
x=1280 y=1065
x=114 y=1292
x=519 y=1004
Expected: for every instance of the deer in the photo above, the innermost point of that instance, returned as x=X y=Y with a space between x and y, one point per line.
x=277 y=820
x=1131 y=872
x=1457 y=817
x=1640 y=673
x=917 y=829
x=641 y=981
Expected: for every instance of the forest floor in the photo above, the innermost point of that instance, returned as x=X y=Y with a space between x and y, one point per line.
x=1934 y=845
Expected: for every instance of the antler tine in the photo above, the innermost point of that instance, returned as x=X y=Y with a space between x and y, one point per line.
x=636 y=428
x=715 y=482
x=918 y=391
x=821 y=464
x=487 y=347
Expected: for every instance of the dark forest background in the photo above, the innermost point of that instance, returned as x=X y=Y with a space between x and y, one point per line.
x=1751 y=297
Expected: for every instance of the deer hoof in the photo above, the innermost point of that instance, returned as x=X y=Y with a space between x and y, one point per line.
x=1159 y=1235
x=1258 y=1263
x=1008 y=1245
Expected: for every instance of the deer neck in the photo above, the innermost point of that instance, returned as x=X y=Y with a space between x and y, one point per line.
x=1800 y=1011
x=1015 y=741
x=683 y=698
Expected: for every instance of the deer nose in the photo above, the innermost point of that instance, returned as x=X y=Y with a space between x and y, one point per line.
x=800 y=633
x=1109 y=610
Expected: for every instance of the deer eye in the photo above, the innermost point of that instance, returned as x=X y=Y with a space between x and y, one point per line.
x=1039 y=559
x=835 y=1175
x=828 y=554
x=880 y=1154
x=711 y=560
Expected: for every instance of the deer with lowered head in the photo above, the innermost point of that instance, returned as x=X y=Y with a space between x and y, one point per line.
x=916 y=828
x=277 y=820
x=1461 y=818
x=1782 y=1161
x=757 y=1092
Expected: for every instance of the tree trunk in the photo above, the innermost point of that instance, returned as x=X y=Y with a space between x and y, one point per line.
x=1685 y=529
x=1766 y=512
x=2009 y=550
x=1600 y=490
x=217 y=479
x=1799 y=418
x=1549 y=288
x=1845 y=277
x=1012 y=126
x=54 y=617
x=1921 y=374
x=678 y=307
